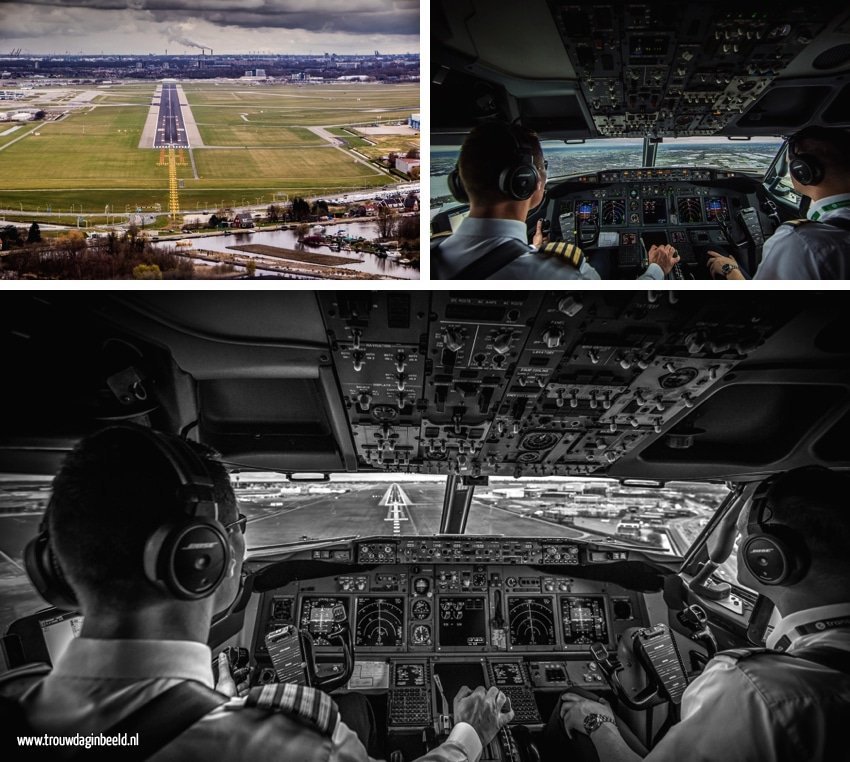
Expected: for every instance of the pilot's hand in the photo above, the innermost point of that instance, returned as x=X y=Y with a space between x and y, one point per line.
x=226 y=684
x=539 y=240
x=575 y=708
x=664 y=256
x=716 y=261
x=484 y=710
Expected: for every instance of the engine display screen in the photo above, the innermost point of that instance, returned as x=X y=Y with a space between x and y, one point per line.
x=462 y=622
x=584 y=619
x=654 y=211
x=715 y=206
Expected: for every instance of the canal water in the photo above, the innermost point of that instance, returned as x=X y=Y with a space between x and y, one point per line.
x=287 y=239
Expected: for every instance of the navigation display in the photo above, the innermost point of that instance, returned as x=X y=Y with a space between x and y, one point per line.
x=380 y=622
x=532 y=621
x=462 y=622
x=584 y=619
x=654 y=211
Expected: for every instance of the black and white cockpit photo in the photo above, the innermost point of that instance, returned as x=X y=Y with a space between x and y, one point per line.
x=484 y=526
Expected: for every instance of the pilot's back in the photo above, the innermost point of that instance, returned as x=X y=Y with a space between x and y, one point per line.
x=96 y=684
x=804 y=249
x=766 y=707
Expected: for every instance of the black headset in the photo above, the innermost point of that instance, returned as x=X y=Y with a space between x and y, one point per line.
x=188 y=557
x=518 y=180
x=805 y=168
x=773 y=553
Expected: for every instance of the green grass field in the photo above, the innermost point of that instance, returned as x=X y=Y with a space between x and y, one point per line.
x=91 y=158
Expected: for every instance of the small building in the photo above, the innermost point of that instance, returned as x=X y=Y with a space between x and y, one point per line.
x=413 y=122
x=243 y=220
x=408 y=166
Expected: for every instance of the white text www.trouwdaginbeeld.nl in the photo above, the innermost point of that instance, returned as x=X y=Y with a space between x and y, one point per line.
x=83 y=741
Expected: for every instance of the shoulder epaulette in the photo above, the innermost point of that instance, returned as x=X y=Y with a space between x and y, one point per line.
x=796 y=223
x=567 y=251
x=307 y=706
x=444 y=234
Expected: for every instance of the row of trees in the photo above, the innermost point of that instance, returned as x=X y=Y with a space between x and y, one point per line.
x=12 y=237
x=125 y=256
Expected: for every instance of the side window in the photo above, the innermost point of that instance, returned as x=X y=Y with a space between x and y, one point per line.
x=728 y=570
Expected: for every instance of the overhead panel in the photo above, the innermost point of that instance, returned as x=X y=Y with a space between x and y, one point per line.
x=680 y=68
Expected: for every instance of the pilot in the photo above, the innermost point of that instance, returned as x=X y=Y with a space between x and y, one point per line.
x=790 y=702
x=818 y=247
x=114 y=500
x=492 y=242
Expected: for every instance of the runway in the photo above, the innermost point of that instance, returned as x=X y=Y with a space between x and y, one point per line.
x=170 y=129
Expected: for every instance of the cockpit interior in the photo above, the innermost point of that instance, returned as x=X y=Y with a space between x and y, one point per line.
x=529 y=490
x=663 y=123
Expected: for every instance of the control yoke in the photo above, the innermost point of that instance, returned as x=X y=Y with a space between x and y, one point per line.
x=330 y=623
x=610 y=665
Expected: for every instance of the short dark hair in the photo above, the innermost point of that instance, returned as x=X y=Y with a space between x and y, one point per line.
x=812 y=501
x=113 y=490
x=487 y=150
x=830 y=145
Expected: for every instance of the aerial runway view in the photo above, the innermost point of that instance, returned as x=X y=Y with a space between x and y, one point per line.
x=299 y=165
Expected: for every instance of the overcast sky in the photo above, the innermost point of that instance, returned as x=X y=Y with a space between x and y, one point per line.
x=226 y=26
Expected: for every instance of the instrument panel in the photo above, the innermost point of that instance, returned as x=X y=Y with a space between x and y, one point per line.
x=456 y=608
x=629 y=211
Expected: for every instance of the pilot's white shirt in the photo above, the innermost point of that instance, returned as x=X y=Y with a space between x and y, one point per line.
x=810 y=251
x=768 y=708
x=477 y=236
x=95 y=683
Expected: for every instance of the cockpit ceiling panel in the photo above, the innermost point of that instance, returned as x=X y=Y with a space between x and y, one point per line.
x=682 y=69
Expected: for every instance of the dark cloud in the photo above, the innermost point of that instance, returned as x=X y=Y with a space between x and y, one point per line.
x=357 y=17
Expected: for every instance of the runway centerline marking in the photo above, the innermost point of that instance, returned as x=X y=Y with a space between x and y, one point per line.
x=396 y=501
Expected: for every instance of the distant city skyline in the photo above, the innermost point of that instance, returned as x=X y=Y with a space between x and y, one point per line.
x=273 y=27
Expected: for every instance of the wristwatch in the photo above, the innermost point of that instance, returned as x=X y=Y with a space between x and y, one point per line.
x=726 y=268
x=594 y=722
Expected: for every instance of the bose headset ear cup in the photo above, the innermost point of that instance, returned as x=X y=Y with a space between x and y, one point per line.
x=46 y=575
x=456 y=186
x=803 y=167
x=774 y=554
x=519 y=179
x=806 y=169
x=190 y=559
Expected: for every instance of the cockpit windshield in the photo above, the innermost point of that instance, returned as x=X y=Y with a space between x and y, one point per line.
x=590 y=156
x=662 y=519
x=753 y=155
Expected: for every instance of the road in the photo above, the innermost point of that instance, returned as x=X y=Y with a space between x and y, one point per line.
x=170 y=130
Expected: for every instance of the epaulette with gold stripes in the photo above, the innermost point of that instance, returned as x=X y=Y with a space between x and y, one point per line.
x=445 y=234
x=564 y=250
x=795 y=223
x=308 y=706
